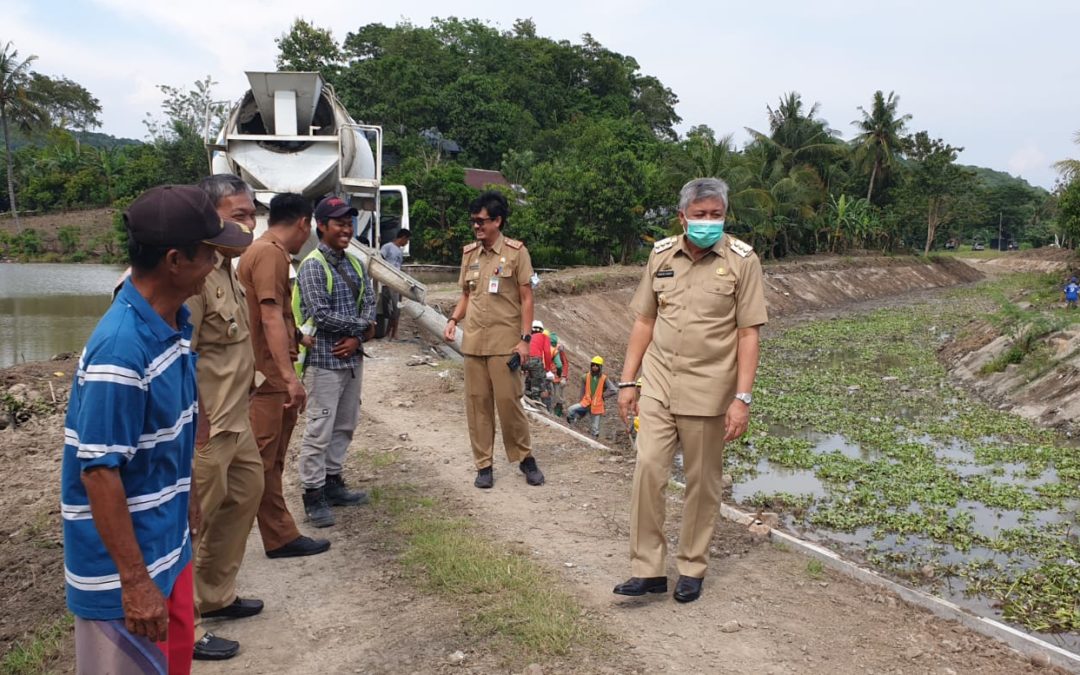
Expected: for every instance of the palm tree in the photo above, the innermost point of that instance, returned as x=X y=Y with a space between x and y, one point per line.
x=879 y=139
x=18 y=107
x=1069 y=168
x=797 y=137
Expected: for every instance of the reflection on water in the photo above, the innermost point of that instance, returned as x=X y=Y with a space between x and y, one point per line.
x=48 y=309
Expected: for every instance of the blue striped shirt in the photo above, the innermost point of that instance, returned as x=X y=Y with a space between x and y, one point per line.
x=133 y=407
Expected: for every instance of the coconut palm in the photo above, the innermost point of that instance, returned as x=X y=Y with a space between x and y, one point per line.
x=878 y=142
x=17 y=107
x=1069 y=168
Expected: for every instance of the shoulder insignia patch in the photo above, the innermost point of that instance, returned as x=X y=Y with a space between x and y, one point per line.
x=514 y=243
x=664 y=244
x=470 y=247
x=740 y=247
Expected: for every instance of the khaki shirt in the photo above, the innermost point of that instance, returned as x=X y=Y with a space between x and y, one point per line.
x=690 y=365
x=493 y=281
x=222 y=338
x=264 y=272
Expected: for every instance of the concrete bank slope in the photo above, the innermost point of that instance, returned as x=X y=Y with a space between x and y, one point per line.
x=589 y=310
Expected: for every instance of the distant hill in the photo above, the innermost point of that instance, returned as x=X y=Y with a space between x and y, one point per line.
x=107 y=141
x=992 y=178
x=93 y=139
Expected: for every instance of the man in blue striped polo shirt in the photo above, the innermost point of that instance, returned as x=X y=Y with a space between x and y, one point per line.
x=128 y=443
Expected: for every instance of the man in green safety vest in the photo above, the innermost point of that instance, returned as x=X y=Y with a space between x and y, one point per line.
x=334 y=305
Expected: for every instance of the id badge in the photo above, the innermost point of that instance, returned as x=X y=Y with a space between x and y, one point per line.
x=493 y=285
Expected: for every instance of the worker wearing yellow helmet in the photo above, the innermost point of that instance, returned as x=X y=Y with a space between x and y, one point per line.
x=595 y=387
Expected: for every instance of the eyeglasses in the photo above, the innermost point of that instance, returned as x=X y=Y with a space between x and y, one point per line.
x=479 y=221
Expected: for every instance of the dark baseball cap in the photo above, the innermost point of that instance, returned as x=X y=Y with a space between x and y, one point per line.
x=180 y=215
x=333 y=207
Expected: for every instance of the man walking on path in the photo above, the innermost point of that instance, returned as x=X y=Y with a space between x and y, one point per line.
x=334 y=295
x=496 y=307
x=264 y=272
x=595 y=387
x=392 y=252
x=228 y=471
x=129 y=440
x=699 y=306
x=539 y=363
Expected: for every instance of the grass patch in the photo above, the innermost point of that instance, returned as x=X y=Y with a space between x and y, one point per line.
x=815 y=568
x=508 y=595
x=32 y=656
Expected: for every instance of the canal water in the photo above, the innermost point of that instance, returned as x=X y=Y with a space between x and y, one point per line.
x=47 y=309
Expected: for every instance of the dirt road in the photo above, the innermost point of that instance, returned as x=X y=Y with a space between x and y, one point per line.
x=763 y=610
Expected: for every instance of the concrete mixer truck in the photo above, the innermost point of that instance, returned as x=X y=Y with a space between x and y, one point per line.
x=290 y=133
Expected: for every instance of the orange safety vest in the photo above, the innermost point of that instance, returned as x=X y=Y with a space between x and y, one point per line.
x=594 y=401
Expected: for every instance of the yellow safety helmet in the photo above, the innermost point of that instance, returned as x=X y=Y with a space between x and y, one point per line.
x=598 y=360
x=547 y=332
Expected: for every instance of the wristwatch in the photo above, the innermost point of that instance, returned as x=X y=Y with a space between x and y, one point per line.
x=745 y=397
x=527 y=337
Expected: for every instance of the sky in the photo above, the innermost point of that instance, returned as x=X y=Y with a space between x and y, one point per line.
x=998 y=77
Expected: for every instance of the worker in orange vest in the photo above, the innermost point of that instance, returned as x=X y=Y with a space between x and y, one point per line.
x=594 y=389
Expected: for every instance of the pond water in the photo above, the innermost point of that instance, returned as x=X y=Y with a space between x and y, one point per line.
x=903 y=554
x=46 y=309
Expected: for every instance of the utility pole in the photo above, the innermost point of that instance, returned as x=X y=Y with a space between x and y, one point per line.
x=999 y=232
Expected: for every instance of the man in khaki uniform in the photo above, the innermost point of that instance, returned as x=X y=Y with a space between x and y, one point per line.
x=699 y=306
x=496 y=312
x=228 y=471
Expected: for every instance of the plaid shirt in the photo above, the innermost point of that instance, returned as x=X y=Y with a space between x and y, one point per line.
x=336 y=316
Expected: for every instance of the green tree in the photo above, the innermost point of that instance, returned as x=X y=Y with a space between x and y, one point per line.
x=68 y=104
x=879 y=140
x=936 y=182
x=17 y=107
x=1069 y=212
x=306 y=47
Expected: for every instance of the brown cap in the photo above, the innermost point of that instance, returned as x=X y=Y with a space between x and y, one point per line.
x=333 y=207
x=180 y=215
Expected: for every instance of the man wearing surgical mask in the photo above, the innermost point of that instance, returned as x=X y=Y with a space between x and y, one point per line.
x=695 y=341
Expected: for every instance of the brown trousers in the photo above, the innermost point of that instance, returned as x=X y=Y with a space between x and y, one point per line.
x=229 y=481
x=702 y=440
x=489 y=386
x=273 y=425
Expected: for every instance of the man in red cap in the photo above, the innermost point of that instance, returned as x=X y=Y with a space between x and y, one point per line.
x=129 y=439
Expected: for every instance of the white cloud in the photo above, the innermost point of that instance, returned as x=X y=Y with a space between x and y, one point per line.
x=1028 y=159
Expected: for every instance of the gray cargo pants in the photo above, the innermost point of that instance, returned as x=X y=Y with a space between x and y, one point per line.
x=333 y=409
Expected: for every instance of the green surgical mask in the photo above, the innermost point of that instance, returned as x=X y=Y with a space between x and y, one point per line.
x=704 y=233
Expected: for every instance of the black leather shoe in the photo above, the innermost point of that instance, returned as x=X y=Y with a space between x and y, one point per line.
x=239 y=609
x=300 y=546
x=213 y=648
x=485 y=478
x=687 y=589
x=640 y=586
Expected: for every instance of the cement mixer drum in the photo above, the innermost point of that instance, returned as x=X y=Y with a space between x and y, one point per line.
x=289 y=133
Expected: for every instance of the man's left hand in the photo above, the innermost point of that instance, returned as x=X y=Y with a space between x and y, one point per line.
x=194 y=514
x=523 y=351
x=736 y=420
x=345 y=347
